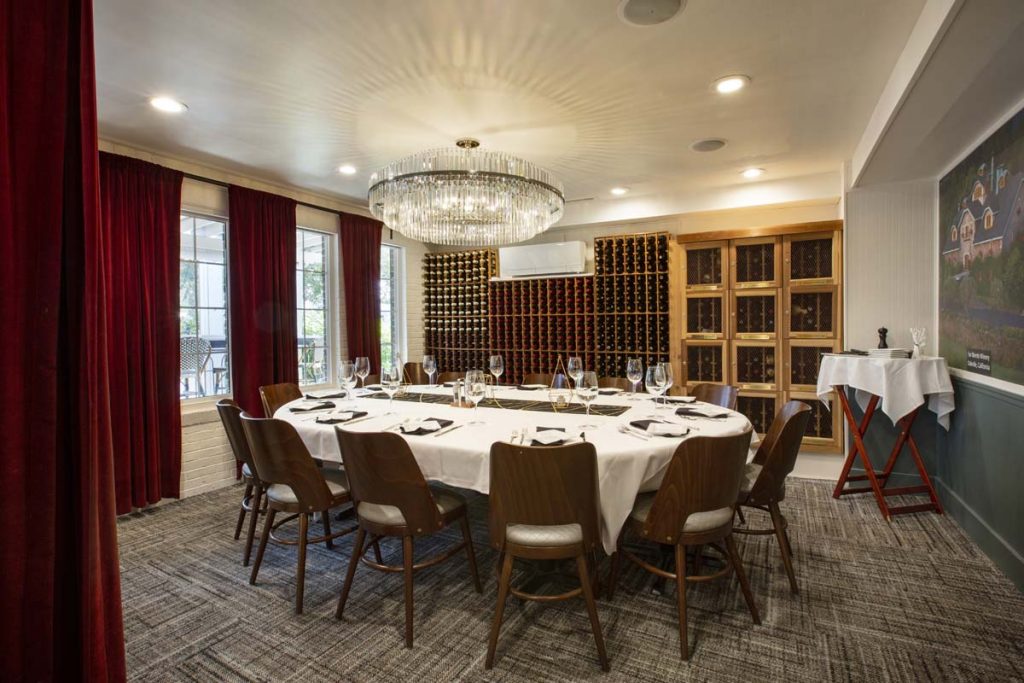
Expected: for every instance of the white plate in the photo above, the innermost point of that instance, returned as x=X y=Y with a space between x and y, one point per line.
x=534 y=386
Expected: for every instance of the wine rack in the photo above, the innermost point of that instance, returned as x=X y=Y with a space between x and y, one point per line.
x=824 y=427
x=779 y=293
x=455 y=315
x=632 y=301
x=533 y=322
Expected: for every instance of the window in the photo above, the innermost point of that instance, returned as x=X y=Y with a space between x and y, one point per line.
x=203 y=307
x=990 y=219
x=392 y=305
x=313 y=318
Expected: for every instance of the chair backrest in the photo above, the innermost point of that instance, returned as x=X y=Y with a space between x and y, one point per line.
x=537 y=378
x=413 y=373
x=282 y=458
x=722 y=395
x=194 y=354
x=616 y=383
x=443 y=377
x=276 y=395
x=231 y=417
x=704 y=474
x=371 y=379
x=382 y=470
x=778 y=451
x=544 y=485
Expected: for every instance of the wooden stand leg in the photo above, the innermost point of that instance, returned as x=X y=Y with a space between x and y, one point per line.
x=860 y=450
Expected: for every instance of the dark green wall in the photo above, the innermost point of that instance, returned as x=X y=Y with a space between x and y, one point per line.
x=978 y=467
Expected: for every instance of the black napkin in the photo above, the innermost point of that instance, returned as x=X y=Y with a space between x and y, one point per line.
x=642 y=425
x=674 y=399
x=337 y=394
x=522 y=388
x=327 y=420
x=609 y=392
x=421 y=431
x=534 y=442
x=694 y=413
x=374 y=387
x=322 y=405
x=449 y=384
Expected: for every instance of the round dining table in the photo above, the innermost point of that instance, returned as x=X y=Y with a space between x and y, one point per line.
x=628 y=460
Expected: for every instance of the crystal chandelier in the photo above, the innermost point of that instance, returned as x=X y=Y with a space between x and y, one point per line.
x=466 y=196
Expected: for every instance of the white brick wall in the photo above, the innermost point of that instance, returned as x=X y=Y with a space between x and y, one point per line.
x=207 y=462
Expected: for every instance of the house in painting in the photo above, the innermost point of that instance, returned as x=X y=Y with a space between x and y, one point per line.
x=990 y=218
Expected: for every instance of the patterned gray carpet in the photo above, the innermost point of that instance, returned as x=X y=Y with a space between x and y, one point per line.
x=911 y=601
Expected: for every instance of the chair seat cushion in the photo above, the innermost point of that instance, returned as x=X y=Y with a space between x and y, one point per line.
x=695 y=523
x=390 y=515
x=246 y=472
x=548 y=535
x=336 y=480
x=750 y=475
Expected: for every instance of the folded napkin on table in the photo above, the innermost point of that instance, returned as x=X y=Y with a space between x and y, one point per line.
x=320 y=395
x=658 y=428
x=338 y=418
x=703 y=411
x=307 y=407
x=527 y=387
x=552 y=436
x=675 y=399
x=609 y=392
x=424 y=426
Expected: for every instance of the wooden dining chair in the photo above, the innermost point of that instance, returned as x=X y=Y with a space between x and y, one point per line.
x=443 y=377
x=371 y=379
x=392 y=499
x=294 y=486
x=722 y=395
x=231 y=417
x=276 y=395
x=538 y=378
x=544 y=507
x=616 y=383
x=764 y=481
x=694 y=506
x=413 y=373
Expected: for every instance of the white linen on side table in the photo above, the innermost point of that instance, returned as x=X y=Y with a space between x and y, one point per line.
x=902 y=383
x=626 y=465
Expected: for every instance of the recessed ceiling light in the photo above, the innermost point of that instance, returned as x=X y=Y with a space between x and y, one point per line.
x=752 y=172
x=731 y=84
x=619 y=191
x=168 y=104
x=347 y=169
x=707 y=145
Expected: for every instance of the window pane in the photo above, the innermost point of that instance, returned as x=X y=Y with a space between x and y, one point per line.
x=187 y=284
x=188 y=252
x=300 y=326
x=313 y=252
x=213 y=325
x=203 y=307
x=209 y=240
x=313 y=290
x=212 y=286
x=189 y=325
x=314 y=327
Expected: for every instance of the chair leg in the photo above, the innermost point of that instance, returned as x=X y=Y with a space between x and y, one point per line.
x=407 y=550
x=470 y=555
x=357 y=552
x=739 y=512
x=698 y=559
x=737 y=566
x=499 y=609
x=588 y=596
x=376 y=551
x=256 y=500
x=264 y=537
x=300 y=571
x=684 y=646
x=241 y=510
x=326 y=516
x=780 y=534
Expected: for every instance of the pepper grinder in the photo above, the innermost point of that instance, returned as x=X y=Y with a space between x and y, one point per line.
x=881 y=338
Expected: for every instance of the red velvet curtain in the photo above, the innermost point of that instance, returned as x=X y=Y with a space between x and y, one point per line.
x=261 y=256
x=140 y=206
x=60 y=588
x=360 y=258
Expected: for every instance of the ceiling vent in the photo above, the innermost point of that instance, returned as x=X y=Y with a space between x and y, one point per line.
x=708 y=145
x=649 y=12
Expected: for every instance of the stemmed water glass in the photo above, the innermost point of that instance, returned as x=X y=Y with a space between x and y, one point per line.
x=347 y=377
x=654 y=380
x=634 y=373
x=430 y=367
x=362 y=369
x=391 y=381
x=476 y=389
x=586 y=389
x=668 y=382
x=497 y=366
x=575 y=369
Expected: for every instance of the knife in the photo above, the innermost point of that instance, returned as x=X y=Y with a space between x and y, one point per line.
x=449 y=428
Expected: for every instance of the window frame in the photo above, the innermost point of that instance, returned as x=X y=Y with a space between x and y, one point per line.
x=185 y=210
x=332 y=310
x=399 y=317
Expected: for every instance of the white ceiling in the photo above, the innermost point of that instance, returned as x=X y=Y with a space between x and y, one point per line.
x=287 y=91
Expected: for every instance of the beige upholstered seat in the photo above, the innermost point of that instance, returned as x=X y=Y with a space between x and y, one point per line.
x=544 y=535
x=695 y=523
x=750 y=475
x=337 y=484
x=390 y=515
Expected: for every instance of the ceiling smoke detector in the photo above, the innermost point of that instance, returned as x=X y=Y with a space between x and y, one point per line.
x=707 y=145
x=649 y=12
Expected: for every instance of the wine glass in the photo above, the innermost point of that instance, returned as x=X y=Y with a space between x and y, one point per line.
x=654 y=380
x=575 y=368
x=347 y=377
x=668 y=381
x=476 y=389
x=362 y=369
x=430 y=367
x=634 y=373
x=497 y=366
x=391 y=381
x=586 y=389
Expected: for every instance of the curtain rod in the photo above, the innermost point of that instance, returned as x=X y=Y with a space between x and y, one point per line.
x=221 y=183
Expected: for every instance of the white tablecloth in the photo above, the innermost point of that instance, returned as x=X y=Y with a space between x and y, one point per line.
x=626 y=465
x=902 y=383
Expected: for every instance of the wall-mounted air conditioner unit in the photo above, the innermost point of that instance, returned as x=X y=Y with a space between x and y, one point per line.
x=559 y=258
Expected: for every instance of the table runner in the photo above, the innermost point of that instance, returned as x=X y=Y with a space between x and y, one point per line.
x=603 y=410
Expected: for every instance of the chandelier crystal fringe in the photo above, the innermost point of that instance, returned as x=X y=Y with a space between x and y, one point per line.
x=466 y=196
